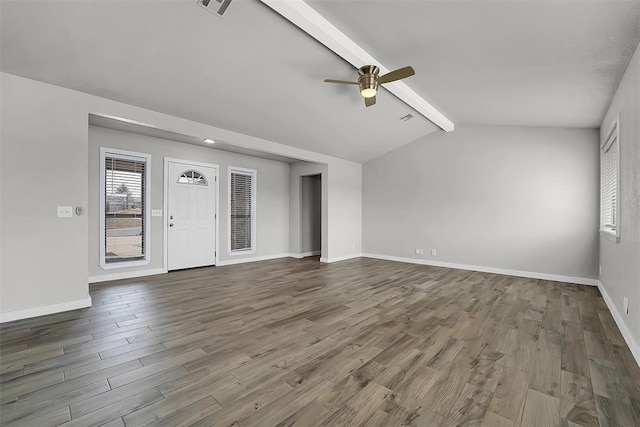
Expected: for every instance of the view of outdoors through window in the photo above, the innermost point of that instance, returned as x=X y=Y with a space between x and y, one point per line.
x=124 y=210
x=241 y=211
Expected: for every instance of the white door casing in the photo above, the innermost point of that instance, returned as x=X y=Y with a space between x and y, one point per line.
x=190 y=214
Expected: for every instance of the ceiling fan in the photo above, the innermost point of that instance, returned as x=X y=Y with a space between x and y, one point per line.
x=368 y=80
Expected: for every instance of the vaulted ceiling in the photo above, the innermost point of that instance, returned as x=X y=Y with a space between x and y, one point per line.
x=539 y=63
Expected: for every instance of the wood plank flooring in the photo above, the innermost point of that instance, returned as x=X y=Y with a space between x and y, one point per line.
x=297 y=342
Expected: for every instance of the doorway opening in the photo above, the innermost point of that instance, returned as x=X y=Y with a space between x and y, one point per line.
x=311 y=215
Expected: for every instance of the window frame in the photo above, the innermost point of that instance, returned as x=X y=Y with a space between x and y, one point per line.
x=612 y=137
x=254 y=201
x=138 y=157
x=192 y=180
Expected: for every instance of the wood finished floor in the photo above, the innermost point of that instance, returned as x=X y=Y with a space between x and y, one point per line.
x=360 y=342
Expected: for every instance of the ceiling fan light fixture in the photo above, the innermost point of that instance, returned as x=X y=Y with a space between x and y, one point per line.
x=368 y=92
x=368 y=80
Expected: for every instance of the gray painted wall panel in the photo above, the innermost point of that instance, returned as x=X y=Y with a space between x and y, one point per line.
x=621 y=262
x=514 y=198
x=44 y=152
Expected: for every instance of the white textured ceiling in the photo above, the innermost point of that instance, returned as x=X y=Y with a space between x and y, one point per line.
x=252 y=71
x=543 y=63
x=508 y=62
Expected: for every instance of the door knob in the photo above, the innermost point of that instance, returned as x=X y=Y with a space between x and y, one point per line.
x=171 y=224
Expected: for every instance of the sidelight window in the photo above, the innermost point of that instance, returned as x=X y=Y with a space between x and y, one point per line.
x=242 y=210
x=610 y=183
x=124 y=217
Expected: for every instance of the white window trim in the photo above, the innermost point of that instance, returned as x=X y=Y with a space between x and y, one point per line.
x=254 y=202
x=132 y=155
x=612 y=137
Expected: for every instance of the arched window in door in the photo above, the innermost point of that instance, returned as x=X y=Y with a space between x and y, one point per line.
x=192 y=177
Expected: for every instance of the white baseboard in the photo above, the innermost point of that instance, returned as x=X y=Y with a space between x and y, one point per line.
x=305 y=254
x=518 y=273
x=340 y=258
x=252 y=259
x=626 y=333
x=126 y=275
x=47 y=309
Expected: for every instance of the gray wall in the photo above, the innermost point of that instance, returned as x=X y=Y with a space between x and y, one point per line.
x=272 y=184
x=341 y=208
x=344 y=200
x=44 y=258
x=513 y=198
x=311 y=213
x=45 y=128
x=620 y=262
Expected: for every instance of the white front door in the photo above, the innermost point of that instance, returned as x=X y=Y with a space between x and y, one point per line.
x=191 y=221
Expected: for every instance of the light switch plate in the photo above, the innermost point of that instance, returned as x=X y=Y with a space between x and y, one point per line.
x=156 y=212
x=65 y=212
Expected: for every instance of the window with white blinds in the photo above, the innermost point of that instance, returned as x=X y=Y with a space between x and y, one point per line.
x=124 y=239
x=242 y=210
x=610 y=177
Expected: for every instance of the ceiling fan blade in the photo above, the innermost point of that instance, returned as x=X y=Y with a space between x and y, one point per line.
x=370 y=101
x=400 y=73
x=342 y=82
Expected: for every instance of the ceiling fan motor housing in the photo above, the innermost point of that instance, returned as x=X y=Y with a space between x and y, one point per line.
x=368 y=80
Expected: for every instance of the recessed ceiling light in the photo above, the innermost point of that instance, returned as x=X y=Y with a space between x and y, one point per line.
x=209 y=141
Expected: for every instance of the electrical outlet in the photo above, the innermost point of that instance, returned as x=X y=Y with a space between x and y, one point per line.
x=625 y=305
x=65 y=212
x=421 y=251
x=434 y=252
x=417 y=251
